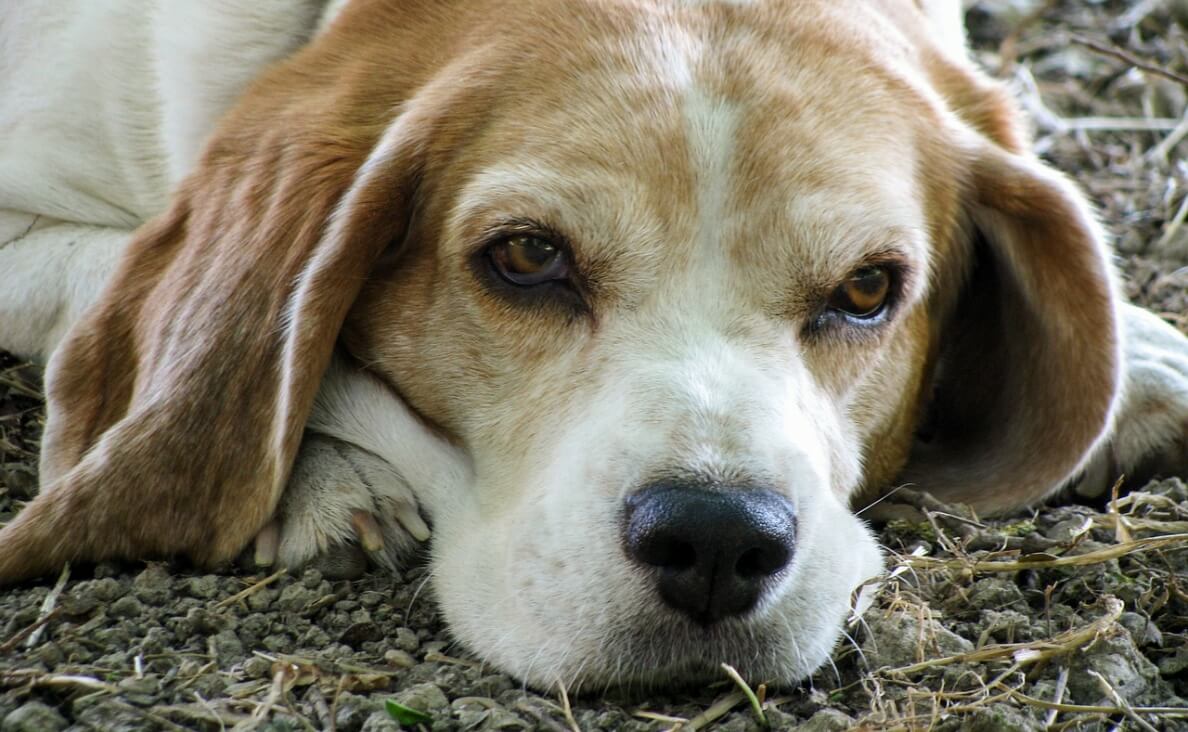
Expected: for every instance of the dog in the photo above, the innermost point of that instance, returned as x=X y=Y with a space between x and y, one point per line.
x=635 y=302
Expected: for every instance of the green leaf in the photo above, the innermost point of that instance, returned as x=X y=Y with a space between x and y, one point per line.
x=406 y=716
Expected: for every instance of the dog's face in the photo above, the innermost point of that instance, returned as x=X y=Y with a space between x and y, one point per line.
x=681 y=280
x=672 y=263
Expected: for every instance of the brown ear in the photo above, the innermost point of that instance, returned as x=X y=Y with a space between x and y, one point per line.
x=1029 y=362
x=176 y=406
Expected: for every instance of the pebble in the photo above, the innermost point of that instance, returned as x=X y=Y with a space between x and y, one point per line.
x=33 y=717
x=379 y=722
x=406 y=640
x=153 y=586
x=107 y=589
x=428 y=698
x=828 y=720
x=126 y=607
x=261 y=600
x=896 y=639
x=1118 y=660
x=204 y=587
x=399 y=659
x=296 y=598
x=227 y=646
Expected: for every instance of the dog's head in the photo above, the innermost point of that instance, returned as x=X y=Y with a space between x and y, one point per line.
x=683 y=280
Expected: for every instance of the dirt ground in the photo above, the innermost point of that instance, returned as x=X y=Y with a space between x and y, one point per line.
x=1069 y=617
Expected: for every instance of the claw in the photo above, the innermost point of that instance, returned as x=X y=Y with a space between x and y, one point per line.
x=410 y=518
x=371 y=537
x=267 y=544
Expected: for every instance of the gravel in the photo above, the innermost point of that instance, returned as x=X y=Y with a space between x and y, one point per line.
x=962 y=636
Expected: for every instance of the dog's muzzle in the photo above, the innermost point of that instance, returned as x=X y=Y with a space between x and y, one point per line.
x=713 y=553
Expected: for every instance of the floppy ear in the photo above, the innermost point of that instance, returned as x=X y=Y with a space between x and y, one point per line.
x=177 y=405
x=1029 y=362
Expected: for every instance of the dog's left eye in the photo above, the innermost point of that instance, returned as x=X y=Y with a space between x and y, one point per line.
x=526 y=260
x=863 y=295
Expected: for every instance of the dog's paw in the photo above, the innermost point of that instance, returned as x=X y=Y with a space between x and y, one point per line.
x=1150 y=432
x=343 y=509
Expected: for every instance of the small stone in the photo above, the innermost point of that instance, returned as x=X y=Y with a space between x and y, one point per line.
x=828 y=720
x=399 y=659
x=1118 y=660
x=1175 y=663
x=296 y=598
x=126 y=607
x=153 y=585
x=371 y=599
x=1000 y=718
x=406 y=640
x=33 y=717
x=261 y=599
x=994 y=593
x=898 y=639
x=106 y=589
x=227 y=646
x=380 y=722
x=311 y=579
x=500 y=718
x=50 y=654
x=204 y=587
x=141 y=692
x=79 y=602
x=1142 y=630
x=257 y=668
x=360 y=633
x=427 y=698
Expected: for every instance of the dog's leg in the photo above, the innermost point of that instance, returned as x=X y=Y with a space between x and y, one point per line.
x=50 y=272
x=1150 y=430
x=366 y=468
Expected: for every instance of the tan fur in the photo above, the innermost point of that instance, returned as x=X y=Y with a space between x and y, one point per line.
x=177 y=406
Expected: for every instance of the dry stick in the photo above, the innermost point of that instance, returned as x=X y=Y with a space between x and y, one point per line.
x=89 y=683
x=1173 y=226
x=1018 y=565
x=1116 y=124
x=1122 y=703
x=745 y=688
x=1124 y=55
x=248 y=592
x=47 y=606
x=322 y=709
x=1026 y=652
x=11 y=644
x=1177 y=712
x=716 y=711
x=566 y=709
x=658 y=717
x=218 y=717
x=1161 y=151
x=1057 y=696
x=334 y=704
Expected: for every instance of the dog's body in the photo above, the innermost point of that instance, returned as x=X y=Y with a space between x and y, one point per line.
x=720 y=186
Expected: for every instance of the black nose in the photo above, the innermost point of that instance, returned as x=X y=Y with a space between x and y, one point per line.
x=715 y=551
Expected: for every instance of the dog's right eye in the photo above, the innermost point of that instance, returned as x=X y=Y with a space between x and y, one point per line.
x=526 y=260
x=863 y=295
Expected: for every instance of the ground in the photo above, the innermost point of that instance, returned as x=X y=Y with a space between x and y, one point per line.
x=1065 y=617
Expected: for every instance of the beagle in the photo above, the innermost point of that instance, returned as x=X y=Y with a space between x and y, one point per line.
x=636 y=301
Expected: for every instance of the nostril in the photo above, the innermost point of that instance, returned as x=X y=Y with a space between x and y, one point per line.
x=760 y=562
x=666 y=553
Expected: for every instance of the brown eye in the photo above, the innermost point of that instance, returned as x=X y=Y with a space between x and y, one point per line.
x=864 y=294
x=528 y=260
